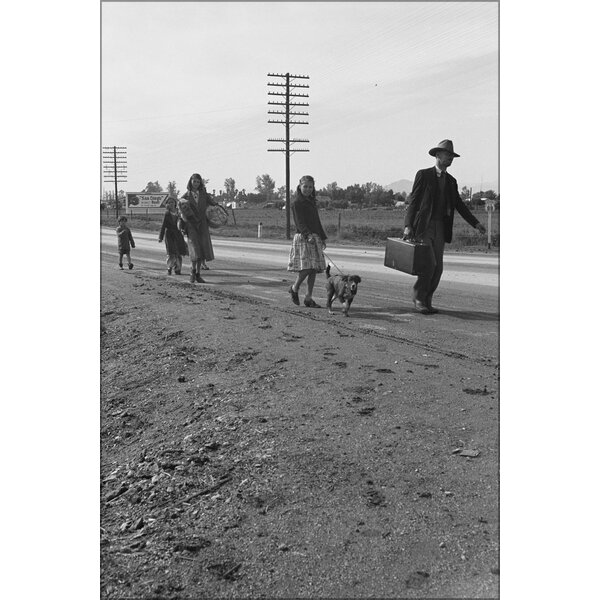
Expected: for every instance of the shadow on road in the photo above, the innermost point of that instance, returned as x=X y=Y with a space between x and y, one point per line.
x=392 y=314
x=471 y=315
x=234 y=279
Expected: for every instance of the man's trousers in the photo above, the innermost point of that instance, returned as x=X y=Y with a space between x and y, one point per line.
x=427 y=283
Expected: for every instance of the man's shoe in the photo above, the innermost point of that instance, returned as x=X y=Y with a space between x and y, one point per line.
x=428 y=305
x=421 y=308
x=294 y=294
x=130 y=265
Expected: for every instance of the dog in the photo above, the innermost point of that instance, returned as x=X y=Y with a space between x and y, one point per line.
x=342 y=287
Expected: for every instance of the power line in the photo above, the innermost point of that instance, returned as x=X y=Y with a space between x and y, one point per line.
x=114 y=162
x=290 y=86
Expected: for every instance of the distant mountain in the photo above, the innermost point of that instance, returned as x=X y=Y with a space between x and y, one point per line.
x=402 y=185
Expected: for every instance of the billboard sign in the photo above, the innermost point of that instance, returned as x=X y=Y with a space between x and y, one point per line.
x=141 y=200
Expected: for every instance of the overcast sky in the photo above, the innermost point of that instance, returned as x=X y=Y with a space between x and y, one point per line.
x=184 y=88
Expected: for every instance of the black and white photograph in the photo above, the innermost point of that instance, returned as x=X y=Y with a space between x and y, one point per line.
x=274 y=349
x=299 y=300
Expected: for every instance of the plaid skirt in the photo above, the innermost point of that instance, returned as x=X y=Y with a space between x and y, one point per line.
x=305 y=255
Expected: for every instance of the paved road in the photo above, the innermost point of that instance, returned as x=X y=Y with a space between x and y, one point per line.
x=467 y=297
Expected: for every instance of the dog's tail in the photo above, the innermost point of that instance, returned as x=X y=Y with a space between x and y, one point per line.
x=327 y=270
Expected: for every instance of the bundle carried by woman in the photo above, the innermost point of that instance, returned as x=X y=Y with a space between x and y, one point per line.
x=216 y=215
x=189 y=211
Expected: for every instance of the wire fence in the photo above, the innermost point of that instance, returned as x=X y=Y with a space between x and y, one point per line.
x=366 y=226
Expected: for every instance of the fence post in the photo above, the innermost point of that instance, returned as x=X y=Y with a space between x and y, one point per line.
x=490 y=206
x=340 y=233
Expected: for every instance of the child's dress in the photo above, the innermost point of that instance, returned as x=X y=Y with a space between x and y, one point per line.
x=125 y=239
x=174 y=242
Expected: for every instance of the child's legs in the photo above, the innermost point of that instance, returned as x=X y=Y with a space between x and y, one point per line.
x=171 y=261
x=302 y=275
x=178 y=263
x=128 y=255
x=120 y=259
x=310 y=283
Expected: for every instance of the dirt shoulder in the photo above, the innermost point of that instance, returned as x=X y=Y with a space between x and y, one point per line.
x=257 y=451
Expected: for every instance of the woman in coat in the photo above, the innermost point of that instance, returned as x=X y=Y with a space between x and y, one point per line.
x=193 y=222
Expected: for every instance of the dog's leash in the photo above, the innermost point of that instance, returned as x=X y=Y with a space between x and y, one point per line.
x=329 y=259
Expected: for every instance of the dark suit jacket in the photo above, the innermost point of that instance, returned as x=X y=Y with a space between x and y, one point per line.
x=424 y=193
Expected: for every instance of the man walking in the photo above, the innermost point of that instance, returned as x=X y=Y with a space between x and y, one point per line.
x=430 y=216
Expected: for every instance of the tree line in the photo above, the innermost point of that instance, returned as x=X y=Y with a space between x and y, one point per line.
x=266 y=192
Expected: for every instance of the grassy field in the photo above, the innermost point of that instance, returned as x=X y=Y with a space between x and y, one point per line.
x=371 y=226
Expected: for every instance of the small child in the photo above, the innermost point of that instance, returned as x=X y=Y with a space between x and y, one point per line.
x=125 y=241
x=174 y=242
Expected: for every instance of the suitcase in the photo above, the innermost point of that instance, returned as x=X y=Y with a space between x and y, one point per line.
x=413 y=258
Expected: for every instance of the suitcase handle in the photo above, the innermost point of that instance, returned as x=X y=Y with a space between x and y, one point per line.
x=413 y=240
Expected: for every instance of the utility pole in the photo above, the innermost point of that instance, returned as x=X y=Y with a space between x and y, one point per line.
x=288 y=113
x=114 y=160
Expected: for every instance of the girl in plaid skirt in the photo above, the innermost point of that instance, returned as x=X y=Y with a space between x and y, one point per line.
x=306 y=254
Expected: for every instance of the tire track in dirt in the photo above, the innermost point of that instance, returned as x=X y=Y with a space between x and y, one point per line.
x=350 y=327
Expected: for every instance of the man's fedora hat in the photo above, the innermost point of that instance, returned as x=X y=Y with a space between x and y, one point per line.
x=444 y=145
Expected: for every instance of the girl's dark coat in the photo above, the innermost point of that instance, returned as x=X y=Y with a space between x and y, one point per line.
x=306 y=216
x=125 y=238
x=174 y=242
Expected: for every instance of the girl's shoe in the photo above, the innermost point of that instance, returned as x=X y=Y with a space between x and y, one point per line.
x=311 y=303
x=294 y=294
x=199 y=279
x=204 y=267
x=120 y=266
